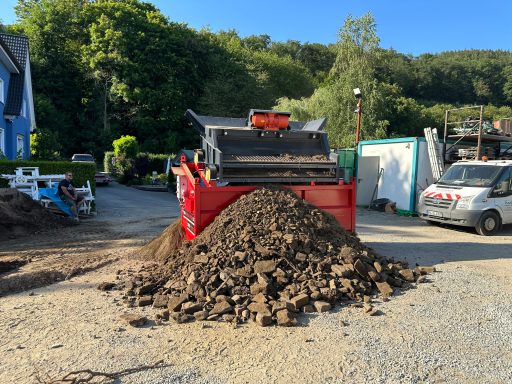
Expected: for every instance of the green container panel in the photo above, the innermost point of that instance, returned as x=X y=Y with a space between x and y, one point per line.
x=346 y=158
x=347 y=163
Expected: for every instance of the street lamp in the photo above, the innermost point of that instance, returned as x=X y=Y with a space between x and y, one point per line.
x=359 y=110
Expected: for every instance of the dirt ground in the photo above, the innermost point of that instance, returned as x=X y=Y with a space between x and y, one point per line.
x=126 y=218
x=455 y=329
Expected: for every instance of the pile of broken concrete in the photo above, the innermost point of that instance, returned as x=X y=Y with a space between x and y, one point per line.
x=268 y=257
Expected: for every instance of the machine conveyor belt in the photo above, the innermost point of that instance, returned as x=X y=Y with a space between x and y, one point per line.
x=271 y=160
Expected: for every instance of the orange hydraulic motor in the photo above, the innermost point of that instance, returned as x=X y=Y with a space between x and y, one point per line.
x=269 y=120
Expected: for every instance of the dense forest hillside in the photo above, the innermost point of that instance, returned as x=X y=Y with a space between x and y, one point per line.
x=106 y=68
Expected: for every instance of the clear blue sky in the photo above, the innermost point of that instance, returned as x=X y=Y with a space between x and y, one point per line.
x=409 y=26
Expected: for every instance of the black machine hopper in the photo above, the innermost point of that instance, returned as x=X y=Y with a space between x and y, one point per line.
x=236 y=151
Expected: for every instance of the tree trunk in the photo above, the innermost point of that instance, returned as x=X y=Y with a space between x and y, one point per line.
x=106 y=127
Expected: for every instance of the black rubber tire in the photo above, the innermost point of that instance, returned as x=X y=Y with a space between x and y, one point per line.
x=489 y=224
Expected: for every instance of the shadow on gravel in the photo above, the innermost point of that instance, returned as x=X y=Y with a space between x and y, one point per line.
x=431 y=253
x=424 y=244
x=379 y=222
x=393 y=228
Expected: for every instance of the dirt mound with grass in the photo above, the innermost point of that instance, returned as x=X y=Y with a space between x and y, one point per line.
x=20 y=215
x=267 y=257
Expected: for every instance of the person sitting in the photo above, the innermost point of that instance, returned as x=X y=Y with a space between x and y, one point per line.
x=67 y=193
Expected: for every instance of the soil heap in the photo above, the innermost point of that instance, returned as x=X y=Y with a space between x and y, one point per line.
x=20 y=215
x=268 y=256
x=164 y=245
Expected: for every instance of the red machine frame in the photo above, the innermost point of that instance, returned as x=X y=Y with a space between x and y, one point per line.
x=202 y=200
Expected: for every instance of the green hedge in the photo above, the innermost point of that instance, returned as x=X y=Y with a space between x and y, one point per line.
x=156 y=161
x=81 y=171
x=108 y=162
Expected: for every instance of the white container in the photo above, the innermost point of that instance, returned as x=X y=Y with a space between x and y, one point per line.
x=406 y=169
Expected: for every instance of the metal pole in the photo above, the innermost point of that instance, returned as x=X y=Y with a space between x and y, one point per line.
x=479 y=145
x=445 y=135
x=359 y=111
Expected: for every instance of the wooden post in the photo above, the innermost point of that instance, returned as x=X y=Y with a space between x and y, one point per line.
x=359 y=111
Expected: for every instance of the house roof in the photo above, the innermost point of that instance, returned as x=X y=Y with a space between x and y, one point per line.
x=8 y=59
x=17 y=49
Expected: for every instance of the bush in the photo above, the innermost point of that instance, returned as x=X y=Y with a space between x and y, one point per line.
x=162 y=179
x=147 y=163
x=116 y=166
x=157 y=162
x=81 y=171
x=147 y=180
x=44 y=145
x=126 y=146
x=134 y=181
x=109 y=162
x=171 y=181
x=139 y=167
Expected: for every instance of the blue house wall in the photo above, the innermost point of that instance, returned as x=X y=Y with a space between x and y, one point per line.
x=19 y=126
x=4 y=75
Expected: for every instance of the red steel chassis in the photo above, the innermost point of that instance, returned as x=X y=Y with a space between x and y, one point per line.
x=202 y=200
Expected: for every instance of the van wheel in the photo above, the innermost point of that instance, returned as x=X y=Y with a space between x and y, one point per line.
x=489 y=224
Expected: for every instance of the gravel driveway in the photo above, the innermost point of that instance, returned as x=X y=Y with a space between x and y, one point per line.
x=455 y=329
x=117 y=203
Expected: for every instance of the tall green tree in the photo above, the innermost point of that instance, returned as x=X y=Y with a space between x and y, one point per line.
x=354 y=67
x=317 y=58
x=507 y=85
x=257 y=43
x=243 y=77
x=45 y=143
x=55 y=30
x=229 y=89
x=141 y=65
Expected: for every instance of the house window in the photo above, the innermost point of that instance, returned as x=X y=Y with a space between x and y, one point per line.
x=19 y=147
x=2 y=91
x=2 y=142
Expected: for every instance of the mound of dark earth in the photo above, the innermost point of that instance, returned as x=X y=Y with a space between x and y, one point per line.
x=20 y=215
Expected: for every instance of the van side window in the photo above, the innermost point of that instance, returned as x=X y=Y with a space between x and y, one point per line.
x=504 y=184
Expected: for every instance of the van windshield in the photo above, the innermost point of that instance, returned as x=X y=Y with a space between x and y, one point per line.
x=467 y=175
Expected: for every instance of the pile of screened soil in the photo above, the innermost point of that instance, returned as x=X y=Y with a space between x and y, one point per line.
x=20 y=215
x=164 y=245
x=266 y=257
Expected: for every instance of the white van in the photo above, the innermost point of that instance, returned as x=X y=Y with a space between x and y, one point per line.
x=472 y=194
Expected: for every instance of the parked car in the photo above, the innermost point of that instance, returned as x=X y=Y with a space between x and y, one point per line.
x=83 y=158
x=101 y=178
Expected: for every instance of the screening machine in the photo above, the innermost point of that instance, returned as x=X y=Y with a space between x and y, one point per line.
x=238 y=155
